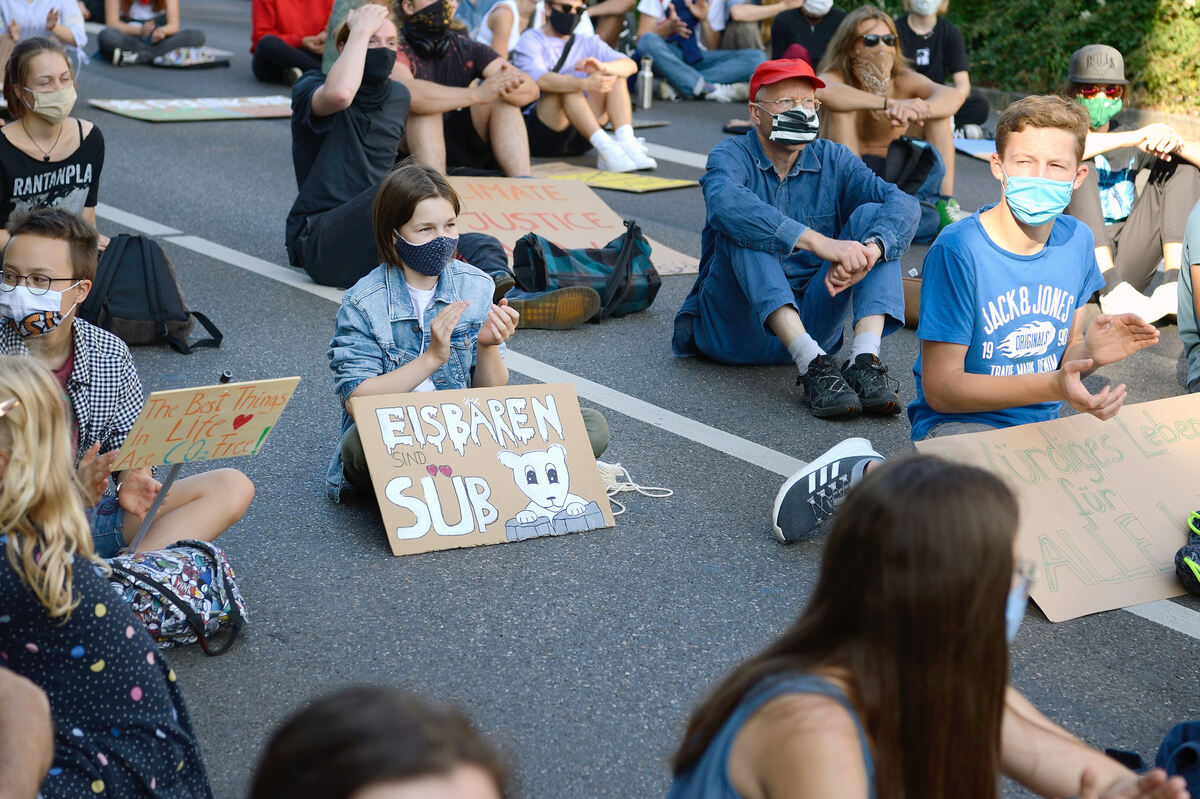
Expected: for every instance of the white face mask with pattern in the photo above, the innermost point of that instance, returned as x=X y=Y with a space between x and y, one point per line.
x=817 y=8
x=925 y=7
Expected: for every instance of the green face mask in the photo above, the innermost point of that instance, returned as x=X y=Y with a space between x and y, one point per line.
x=1100 y=108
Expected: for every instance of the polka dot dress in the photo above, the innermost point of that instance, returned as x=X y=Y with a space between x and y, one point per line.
x=122 y=729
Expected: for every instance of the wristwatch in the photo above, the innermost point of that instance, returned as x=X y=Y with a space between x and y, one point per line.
x=879 y=243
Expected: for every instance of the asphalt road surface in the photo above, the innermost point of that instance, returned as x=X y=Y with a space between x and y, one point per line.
x=581 y=655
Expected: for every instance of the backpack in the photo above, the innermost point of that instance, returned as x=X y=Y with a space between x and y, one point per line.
x=182 y=594
x=136 y=296
x=620 y=272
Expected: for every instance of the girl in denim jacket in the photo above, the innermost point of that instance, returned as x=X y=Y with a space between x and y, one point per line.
x=420 y=321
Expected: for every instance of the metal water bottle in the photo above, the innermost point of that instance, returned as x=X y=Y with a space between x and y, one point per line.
x=646 y=83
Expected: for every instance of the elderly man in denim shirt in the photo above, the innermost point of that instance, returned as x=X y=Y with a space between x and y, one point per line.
x=799 y=233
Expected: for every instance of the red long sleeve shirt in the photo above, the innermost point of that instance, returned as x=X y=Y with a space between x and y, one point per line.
x=290 y=20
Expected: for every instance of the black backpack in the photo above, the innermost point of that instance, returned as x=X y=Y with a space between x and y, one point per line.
x=136 y=297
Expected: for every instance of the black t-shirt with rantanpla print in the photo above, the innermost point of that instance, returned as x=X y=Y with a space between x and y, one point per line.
x=72 y=183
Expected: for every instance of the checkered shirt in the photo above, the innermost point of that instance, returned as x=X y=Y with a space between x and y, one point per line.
x=105 y=392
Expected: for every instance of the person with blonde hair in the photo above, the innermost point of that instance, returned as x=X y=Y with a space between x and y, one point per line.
x=873 y=97
x=122 y=727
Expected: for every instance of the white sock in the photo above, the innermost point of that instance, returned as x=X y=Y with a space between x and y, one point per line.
x=865 y=343
x=624 y=134
x=803 y=349
x=600 y=139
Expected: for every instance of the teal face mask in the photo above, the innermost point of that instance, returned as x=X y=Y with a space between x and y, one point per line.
x=1036 y=201
x=1100 y=109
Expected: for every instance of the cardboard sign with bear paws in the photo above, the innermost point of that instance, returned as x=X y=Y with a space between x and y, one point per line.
x=480 y=466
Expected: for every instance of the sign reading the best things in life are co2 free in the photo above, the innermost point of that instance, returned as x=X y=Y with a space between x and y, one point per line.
x=205 y=423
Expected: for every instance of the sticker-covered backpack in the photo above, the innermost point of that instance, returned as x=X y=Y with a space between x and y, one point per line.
x=182 y=594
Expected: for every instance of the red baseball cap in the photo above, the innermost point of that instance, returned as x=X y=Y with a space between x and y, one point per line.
x=781 y=69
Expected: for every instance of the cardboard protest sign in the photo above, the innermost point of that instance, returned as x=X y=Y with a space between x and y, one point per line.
x=205 y=423
x=200 y=109
x=976 y=148
x=566 y=212
x=616 y=181
x=1104 y=505
x=480 y=466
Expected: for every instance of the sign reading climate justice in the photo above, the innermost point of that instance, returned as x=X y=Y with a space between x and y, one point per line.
x=205 y=423
x=480 y=466
x=566 y=212
x=1103 y=505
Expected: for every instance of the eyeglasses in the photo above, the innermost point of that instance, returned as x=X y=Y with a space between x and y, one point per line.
x=37 y=283
x=1111 y=92
x=1025 y=573
x=8 y=405
x=785 y=104
x=873 y=39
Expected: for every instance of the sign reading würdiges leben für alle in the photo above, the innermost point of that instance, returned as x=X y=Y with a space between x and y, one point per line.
x=480 y=466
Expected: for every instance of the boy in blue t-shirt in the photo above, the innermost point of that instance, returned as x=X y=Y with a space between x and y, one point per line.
x=1002 y=330
x=1002 y=326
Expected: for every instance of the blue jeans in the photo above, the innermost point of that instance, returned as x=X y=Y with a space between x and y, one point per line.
x=717 y=66
x=927 y=194
x=107 y=520
x=744 y=286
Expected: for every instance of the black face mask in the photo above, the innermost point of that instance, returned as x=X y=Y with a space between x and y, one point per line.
x=427 y=30
x=563 y=22
x=377 y=67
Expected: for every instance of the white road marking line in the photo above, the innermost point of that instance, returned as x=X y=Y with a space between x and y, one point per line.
x=134 y=222
x=681 y=426
x=1163 y=612
x=1169 y=614
x=675 y=155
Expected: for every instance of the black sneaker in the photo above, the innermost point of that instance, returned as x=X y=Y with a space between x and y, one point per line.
x=811 y=495
x=826 y=392
x=868 y=377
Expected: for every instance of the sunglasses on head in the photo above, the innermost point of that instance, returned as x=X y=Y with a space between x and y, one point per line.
x=1111 y=92
x=873 y=39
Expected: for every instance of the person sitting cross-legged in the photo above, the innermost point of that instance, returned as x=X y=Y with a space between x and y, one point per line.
x=466 y=99
x=680 y=37
x=581 y=89
x=799 y=235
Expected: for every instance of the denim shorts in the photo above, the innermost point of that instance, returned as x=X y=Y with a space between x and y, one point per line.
x=107 y=520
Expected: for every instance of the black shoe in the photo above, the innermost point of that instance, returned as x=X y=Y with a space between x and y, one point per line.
x=826 y=392
x=868 y=377
x=504 y=284
x=811 y=495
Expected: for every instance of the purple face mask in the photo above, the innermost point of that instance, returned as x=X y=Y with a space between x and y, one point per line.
x=429 y=258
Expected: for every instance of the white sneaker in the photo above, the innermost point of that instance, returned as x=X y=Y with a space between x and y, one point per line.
x=1164 y=301
x=1124 y=298
x=124 y=57
x=969 y=131
x=740 y=91
x=613 y=158
x=667 y=92
x=636 y=150
x=723 y=93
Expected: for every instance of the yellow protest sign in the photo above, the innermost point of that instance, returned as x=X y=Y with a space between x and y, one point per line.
x=480 y=466
x=617 y=181
x=205 y=423
x=1104 y=505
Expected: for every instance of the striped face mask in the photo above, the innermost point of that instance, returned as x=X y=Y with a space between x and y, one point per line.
x=797 y=126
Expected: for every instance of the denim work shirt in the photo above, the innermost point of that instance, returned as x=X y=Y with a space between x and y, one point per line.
x=747 y=205
x=378 y=332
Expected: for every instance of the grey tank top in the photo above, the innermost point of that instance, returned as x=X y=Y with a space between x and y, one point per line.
x=709 y=778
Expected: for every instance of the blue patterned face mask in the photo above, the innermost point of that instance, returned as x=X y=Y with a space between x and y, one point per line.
x=1036 y=201
x=1014 y=611
x=429 y=258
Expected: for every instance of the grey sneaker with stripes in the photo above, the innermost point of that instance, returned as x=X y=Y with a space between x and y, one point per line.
x=811 y=495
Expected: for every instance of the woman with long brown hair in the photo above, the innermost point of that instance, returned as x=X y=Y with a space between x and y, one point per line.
x=893 y=683
x=138 y=31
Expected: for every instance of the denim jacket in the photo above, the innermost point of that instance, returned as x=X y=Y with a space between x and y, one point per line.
x=746 y=203
x=378 y=332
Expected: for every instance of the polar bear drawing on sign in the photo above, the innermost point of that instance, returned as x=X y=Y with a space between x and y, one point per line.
x=542 y=476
